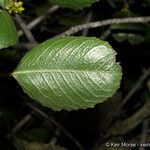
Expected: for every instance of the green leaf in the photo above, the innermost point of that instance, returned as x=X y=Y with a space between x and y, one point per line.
x=75 y=4
x=131 y=38
x=8 y=33
x=120 y=37
x=3 y=3
x=36 y=135
x=69 y=22
x=135 y=39
x=129 y=26
x=70 y=73
x=40 y=146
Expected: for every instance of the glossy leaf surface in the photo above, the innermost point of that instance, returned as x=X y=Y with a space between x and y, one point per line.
x=8 y=33
x=69 y=73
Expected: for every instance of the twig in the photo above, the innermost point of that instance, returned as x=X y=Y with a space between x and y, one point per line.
x=56 y=124
x=123 y=127
x=111 y=3
x=87 y=20
x=53 y=140
x=21 y=123
x=144 y=133
x=129 y=95
x=135 y=88
x=39 y=19
x=27 y=32
x=105 y=34
x=17 y=143
x=101 y=23
x=23 y=46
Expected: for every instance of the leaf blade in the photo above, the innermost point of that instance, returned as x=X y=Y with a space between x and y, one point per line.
x=8 y=33
x=76 y=4
x=70 y=73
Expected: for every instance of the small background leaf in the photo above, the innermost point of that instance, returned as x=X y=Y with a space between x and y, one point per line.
x=75 y=4
x=131 y=38
x=70 y=73
x=134 y=34
x=8 y=33
x=135 y=38
x=129 y=26
x=40 y=146
x=36 y=135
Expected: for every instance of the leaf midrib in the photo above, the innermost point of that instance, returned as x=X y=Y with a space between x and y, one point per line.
x=59 y=71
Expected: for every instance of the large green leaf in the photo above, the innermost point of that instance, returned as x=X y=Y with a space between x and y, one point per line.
x=8 y=33
x=74 y=4
x=70 y=72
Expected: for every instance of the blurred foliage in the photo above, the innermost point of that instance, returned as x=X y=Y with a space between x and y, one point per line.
x=40 y=146
x=37 y=135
